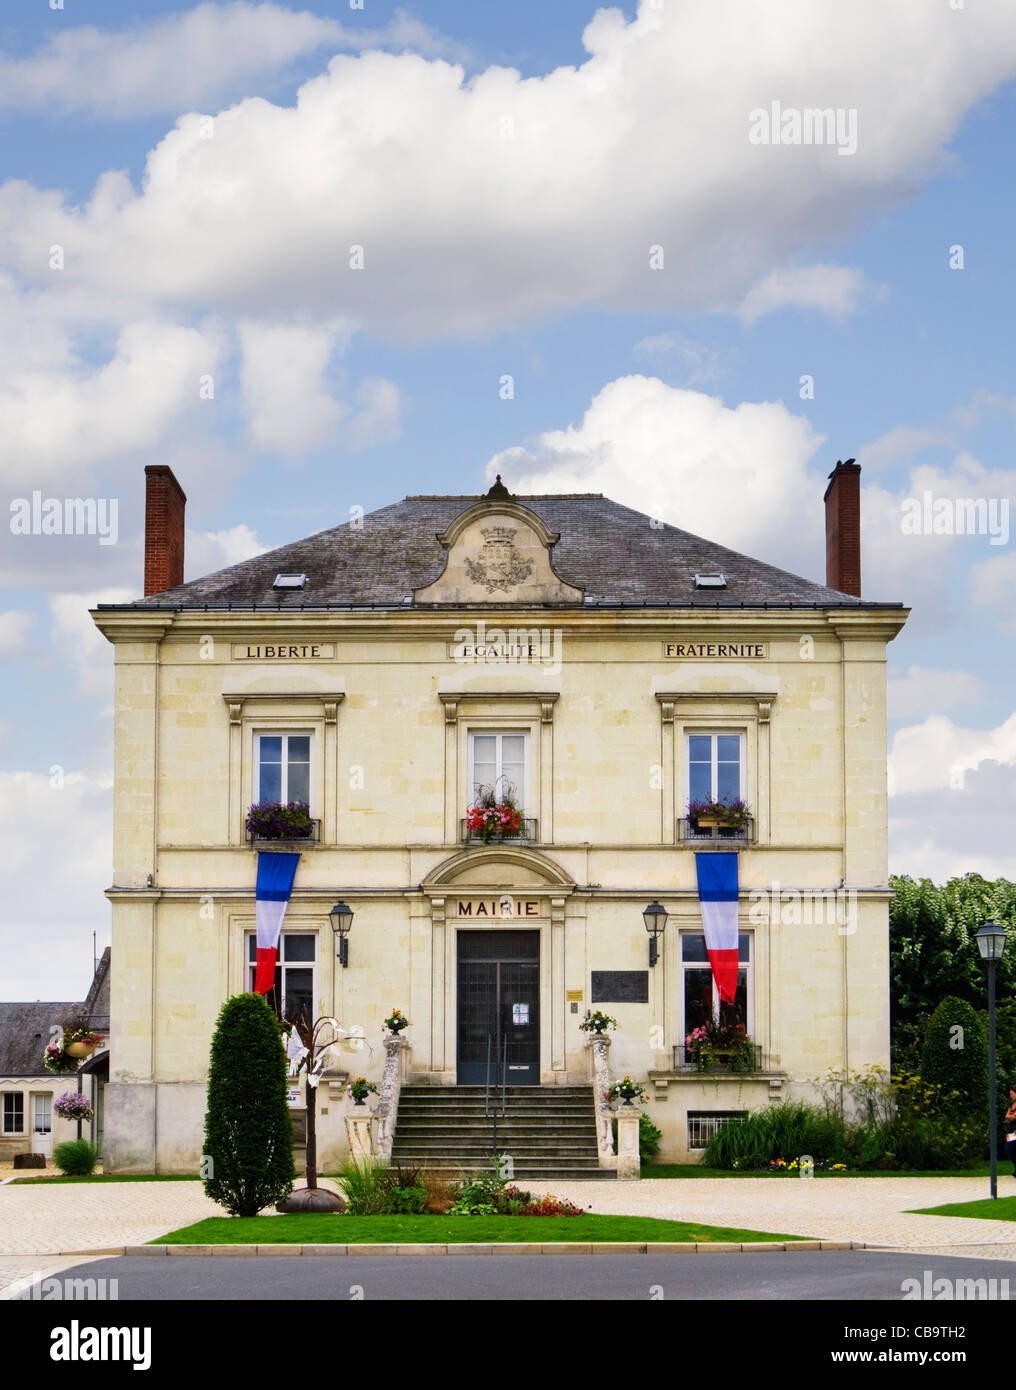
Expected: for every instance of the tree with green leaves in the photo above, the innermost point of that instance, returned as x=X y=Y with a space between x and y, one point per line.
x=933 y=953
x=248 y=1158
x=955 y=1055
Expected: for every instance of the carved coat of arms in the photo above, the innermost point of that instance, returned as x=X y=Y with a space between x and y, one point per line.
x=499 y=565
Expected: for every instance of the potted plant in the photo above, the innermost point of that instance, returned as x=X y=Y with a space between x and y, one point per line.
x=396 y=1023
x=73 y=1106
x=719 y=815
x=81 y=1042
x=495 y=814
x=627 y=1091
x=360 y=1089
x=597 y=1023
x=273 y=820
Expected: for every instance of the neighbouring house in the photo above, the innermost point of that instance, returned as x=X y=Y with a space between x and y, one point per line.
x=28 y=1122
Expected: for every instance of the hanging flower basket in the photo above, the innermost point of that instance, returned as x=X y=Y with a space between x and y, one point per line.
x=73 y=1106
x=55 y=1059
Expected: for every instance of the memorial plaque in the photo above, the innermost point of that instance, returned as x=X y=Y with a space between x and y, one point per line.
x=620 y=987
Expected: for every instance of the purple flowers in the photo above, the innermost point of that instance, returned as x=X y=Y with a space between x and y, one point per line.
x=72 y=1106
x=271 y=820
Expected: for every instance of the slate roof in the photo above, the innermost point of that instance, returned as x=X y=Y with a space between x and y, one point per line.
x=611 y=551
x=24 y=1028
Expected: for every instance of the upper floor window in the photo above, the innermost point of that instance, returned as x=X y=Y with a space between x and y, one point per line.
x=13 y=1113
x=715 y=767
x=293 y=993
x=282 y=767
x=500 y=760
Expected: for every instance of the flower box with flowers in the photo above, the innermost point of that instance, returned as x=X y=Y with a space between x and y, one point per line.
x=273 y=821
x=495 y=816
x=725 y=819
x=721 y=1047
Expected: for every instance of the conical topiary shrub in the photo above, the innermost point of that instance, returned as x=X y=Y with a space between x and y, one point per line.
x=248 y=1158
x=955 y=1056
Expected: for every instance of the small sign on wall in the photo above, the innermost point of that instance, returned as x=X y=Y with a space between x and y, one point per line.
x=294 y=1097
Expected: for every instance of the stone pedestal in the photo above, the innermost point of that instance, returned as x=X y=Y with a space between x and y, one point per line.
x=599 y=1047
x=396 y=1049
x=358 y=1129
x=629 y=1164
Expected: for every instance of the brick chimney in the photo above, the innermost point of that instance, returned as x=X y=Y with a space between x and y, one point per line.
x=843 y=528
x=164 y=506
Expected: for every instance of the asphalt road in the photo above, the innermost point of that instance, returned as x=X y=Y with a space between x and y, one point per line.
x=842 y=1276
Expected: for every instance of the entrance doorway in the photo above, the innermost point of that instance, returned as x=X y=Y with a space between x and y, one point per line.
x=498 y=1002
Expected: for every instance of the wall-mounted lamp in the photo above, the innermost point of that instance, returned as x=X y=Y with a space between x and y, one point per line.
x=341 y=918
x=655 y=918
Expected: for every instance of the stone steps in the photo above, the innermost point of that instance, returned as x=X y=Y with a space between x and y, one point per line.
x=549 y=1131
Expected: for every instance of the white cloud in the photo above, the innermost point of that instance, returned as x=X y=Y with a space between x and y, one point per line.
x=939 y=754
x=379 y=420
x=832 y=289
x=187 y=61
x=493 y=202
x=965 y=833
x=289 y=407
x=992 y=586
x=702 y=365
x=901 y=442
x=916 y=689
x=15 y=625
x=57 y=856
x=206 y=552
x=76 y=636
x=733 y=475
x=56 y=422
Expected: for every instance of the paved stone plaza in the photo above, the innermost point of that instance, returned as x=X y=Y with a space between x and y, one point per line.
x=46 y=1227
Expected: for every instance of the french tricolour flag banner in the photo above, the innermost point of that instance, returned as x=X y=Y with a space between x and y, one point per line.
x=275 y=883
x=717 y=888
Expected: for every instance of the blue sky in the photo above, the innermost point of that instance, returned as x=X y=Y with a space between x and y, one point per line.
x=490 y=254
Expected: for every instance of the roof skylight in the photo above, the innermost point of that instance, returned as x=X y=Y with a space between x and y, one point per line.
x=289 y=581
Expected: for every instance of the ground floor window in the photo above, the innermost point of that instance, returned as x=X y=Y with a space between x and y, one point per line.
x=703 y=1124
x=700 y=999
x=294 y=993
x=13 y=1113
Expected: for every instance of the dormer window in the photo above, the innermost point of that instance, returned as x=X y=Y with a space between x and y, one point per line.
x=290 y=581
x=710 y=581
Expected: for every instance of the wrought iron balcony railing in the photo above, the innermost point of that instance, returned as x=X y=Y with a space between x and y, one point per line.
x=527 y=833
x=693 y=832
x=743 y=1059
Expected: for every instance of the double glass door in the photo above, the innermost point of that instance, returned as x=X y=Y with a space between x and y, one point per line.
x=499 y=1007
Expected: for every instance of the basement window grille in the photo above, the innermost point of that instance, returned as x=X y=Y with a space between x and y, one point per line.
x=704 y=1124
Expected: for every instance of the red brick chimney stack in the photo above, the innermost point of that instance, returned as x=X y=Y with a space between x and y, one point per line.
x=164 y=507
x=843 y=528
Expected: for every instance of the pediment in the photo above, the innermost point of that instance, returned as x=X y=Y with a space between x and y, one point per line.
x=499 y=866
x=498 y=552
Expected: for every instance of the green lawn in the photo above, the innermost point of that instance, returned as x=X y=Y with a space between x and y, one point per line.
x=1002 y=1209
x=695 y=1170
x=114 y=1177
x=317 y=1229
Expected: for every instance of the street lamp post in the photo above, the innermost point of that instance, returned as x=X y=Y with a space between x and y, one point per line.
x=991 y=944
x=341 y=918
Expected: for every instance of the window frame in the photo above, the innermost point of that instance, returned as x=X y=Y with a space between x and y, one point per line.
x=285 y=734
x=713 y=733
x=12 y=1096
x=37 y=1097
x=749 y=983
x=478 y=731
x=282 y=964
